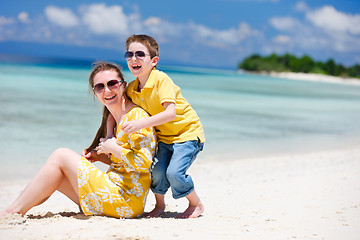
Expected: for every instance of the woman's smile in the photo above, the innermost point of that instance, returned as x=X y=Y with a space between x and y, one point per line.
x=110 y=98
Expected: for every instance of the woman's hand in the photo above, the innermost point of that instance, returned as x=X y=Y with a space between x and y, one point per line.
x=107 y=146
x=91 y=156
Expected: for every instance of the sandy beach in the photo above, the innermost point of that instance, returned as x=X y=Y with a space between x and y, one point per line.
x=304 y=196
x=296 y=196
x=312 y=77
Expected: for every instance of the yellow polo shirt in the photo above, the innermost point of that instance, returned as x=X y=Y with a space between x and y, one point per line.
x=159 y=89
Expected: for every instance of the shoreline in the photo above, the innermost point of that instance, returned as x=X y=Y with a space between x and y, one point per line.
x=309 y=77
x=295 y=196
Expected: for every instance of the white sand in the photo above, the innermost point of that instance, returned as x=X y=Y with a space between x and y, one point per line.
x=309 y=196
x=313 y=77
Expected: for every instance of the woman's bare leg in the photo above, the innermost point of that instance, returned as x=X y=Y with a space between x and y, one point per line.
x=67 y=189
x=62 y=164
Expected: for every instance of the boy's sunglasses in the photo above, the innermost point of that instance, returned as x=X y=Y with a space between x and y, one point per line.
x=138 y=55
x=112 y=85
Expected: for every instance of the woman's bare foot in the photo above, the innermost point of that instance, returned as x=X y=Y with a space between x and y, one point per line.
x=7 y=212
x=3 y=213
x=192 y=211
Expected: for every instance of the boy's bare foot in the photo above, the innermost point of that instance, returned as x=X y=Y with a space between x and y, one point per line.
x=159 y=206
x=192 y=211
x=156 y=212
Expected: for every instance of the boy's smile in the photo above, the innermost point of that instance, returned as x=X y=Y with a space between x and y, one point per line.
x=136 y=67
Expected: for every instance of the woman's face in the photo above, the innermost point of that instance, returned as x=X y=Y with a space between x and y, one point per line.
x=111 y=92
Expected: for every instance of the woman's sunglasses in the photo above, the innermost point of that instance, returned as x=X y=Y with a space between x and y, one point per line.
x=112 y=85
x=138 y=54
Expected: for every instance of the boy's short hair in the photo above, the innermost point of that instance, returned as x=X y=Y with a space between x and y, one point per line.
x=149 y=42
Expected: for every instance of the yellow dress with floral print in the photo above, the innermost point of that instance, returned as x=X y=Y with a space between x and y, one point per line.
x=122 y=191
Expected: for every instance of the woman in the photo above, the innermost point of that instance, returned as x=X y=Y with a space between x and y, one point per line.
x=122 y=191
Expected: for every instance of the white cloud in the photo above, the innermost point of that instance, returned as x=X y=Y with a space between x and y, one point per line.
x=24 y=17
x=5 y=21
x=152 y=21
x=282 y=39
x=61 y=16
x=245 y=31
x=102 y=19
x=135 y=24
x=320 y=30
x=301 y=6
x=323 y=30
x=90 y=23
x=283 y=23
x=223 y=38
x=329 y=18
x=6 y=31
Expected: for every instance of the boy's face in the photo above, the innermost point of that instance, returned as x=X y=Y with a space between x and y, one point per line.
x=141 y=67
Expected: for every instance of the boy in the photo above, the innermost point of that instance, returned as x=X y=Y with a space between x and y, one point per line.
x=178 y=128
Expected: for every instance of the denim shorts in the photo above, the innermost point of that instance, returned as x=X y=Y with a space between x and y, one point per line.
x=170 y=165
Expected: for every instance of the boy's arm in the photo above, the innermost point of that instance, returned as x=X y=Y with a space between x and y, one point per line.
x=165 y=116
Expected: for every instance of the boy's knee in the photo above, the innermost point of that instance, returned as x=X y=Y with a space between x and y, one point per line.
x=172 y=174
x=157 y=175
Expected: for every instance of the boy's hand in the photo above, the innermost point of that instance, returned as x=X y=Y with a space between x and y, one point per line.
x=131 y=127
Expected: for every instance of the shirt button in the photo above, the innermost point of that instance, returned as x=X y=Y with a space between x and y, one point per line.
x=142 y=99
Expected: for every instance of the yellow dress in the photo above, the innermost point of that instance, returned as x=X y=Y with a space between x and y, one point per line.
x=122 y=191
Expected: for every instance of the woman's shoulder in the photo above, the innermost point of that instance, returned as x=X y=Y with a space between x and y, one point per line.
x=136 y=113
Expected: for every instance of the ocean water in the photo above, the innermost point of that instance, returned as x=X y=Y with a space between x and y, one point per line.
x=43 y=107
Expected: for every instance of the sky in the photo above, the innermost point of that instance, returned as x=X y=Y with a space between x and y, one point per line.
x=213 y=33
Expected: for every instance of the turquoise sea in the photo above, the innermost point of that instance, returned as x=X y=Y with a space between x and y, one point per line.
x=43 y=107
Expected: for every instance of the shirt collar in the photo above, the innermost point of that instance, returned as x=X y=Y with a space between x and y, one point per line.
x=135 y=87
x=150 y=83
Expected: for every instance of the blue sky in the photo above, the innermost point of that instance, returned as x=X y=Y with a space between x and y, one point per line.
x=214 y=33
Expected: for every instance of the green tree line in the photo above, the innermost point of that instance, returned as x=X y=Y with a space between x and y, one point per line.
x=291 y=63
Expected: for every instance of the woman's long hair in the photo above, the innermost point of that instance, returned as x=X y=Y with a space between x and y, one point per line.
x=101 y=66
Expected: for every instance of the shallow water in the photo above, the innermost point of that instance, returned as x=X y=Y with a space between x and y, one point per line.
x=46 y=107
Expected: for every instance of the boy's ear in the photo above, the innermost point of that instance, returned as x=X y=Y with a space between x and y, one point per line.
x=154 y=61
